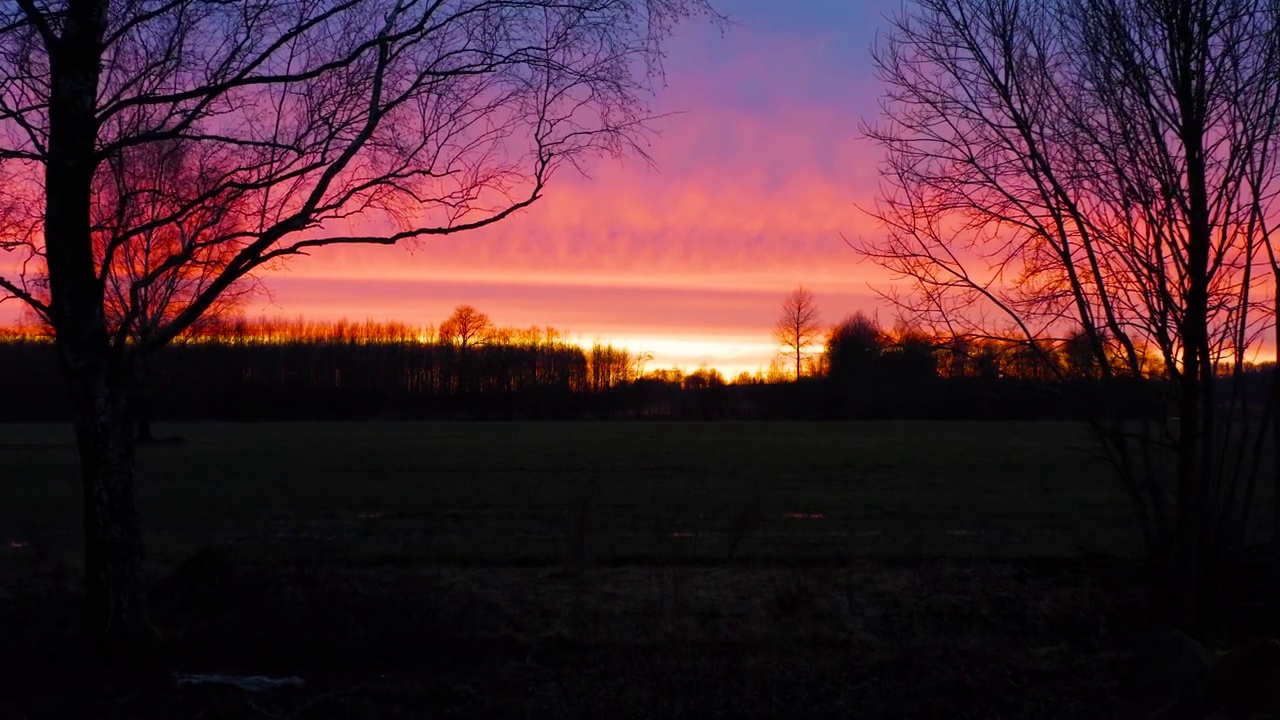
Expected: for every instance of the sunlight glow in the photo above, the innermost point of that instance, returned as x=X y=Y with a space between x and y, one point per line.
x=730 y=354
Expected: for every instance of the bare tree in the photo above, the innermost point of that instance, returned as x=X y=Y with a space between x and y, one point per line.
x=798 y=326
x=136 y=194
x=465 y=328
x=311 y=124
x=609 y=366
x=1101 y=171
x=139 y=188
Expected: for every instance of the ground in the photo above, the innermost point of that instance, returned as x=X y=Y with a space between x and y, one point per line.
x=602 y=569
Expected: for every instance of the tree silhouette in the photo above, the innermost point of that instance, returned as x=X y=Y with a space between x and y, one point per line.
x=609 y=366
x=852 y=358
x=465 y=329
x=353 y=122
x=140 y=187
x=854 y=345
x=1103 y=169
x=798 y=326
x=132 y=197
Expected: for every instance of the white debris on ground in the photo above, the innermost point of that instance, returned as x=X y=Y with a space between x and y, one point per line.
x=251 y=683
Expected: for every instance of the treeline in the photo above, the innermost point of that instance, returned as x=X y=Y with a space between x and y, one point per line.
x=469 y=368
x=465 y=368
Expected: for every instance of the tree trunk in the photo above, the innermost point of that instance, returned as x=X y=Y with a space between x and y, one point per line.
x=1196 y=563
x=115 y=607
x=1275 y=434
x=140 y=405
x=115 y=601
x=1183 y=563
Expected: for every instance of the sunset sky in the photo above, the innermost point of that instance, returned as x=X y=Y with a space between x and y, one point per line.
x=754 y=181
x=690 y=260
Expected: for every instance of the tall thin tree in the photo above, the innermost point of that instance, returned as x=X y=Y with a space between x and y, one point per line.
x=798 y=327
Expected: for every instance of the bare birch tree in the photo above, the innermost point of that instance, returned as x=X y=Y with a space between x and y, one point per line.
x=1103 y=170
x=311 y=124
x=799 y=326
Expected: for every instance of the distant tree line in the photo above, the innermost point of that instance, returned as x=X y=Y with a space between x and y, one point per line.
x=468 y=368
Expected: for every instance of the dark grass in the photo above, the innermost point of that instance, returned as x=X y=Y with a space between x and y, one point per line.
x=600 y=570
x=516 y=492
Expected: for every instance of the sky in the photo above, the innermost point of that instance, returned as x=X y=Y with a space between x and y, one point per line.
x=758 y=172
x=755 y=178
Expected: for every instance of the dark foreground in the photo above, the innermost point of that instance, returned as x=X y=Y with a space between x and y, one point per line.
x=647 y=571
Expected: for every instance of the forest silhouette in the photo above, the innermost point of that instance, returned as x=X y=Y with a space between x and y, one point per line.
x=278 y=369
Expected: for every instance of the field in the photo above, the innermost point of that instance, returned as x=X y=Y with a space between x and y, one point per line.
x=591 y=570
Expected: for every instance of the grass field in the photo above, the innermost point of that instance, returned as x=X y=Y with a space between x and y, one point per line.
x=525 y=493
x=599 y=570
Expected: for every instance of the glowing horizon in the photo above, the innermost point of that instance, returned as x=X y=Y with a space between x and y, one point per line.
x=729 y=329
